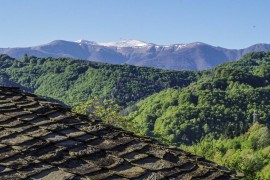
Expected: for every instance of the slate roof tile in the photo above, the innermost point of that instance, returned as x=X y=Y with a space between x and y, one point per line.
x=42 y=140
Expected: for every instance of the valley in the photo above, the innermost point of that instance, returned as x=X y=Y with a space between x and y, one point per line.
x=194 y=110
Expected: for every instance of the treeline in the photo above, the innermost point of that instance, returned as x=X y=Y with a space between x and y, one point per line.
x=74 y=81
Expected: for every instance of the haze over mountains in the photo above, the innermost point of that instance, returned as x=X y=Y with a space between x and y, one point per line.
x=193 y=56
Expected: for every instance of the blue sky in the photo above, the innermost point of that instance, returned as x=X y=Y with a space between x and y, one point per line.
x=226 y=23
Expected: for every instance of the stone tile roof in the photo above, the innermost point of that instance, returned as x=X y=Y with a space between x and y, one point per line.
x=41 y=140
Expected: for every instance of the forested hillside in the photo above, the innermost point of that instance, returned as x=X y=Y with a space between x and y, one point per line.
x=223 y=102
x=224 y=116
x=248 y=153
x=73 y=81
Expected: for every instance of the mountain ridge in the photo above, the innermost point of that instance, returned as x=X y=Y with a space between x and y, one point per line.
x=192 y=56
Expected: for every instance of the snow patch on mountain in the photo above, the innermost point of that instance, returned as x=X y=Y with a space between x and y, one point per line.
x=82 y=41
x=126 y=43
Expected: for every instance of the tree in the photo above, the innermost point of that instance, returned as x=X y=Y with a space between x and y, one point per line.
x=102 y=109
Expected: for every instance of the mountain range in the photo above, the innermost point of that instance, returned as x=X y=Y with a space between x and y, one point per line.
x=193 y=56
x=210 y=107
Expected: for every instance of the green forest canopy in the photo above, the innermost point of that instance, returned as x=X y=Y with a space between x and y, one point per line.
x=74 y=81
x=248 y=153
x=221 y=102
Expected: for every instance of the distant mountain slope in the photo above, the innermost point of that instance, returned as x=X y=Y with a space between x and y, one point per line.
x=193 y=56
x=73 y=81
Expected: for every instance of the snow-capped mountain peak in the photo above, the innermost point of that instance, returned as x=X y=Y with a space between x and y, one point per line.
x=126 y=43
x=82 y=41
x=191 y=56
